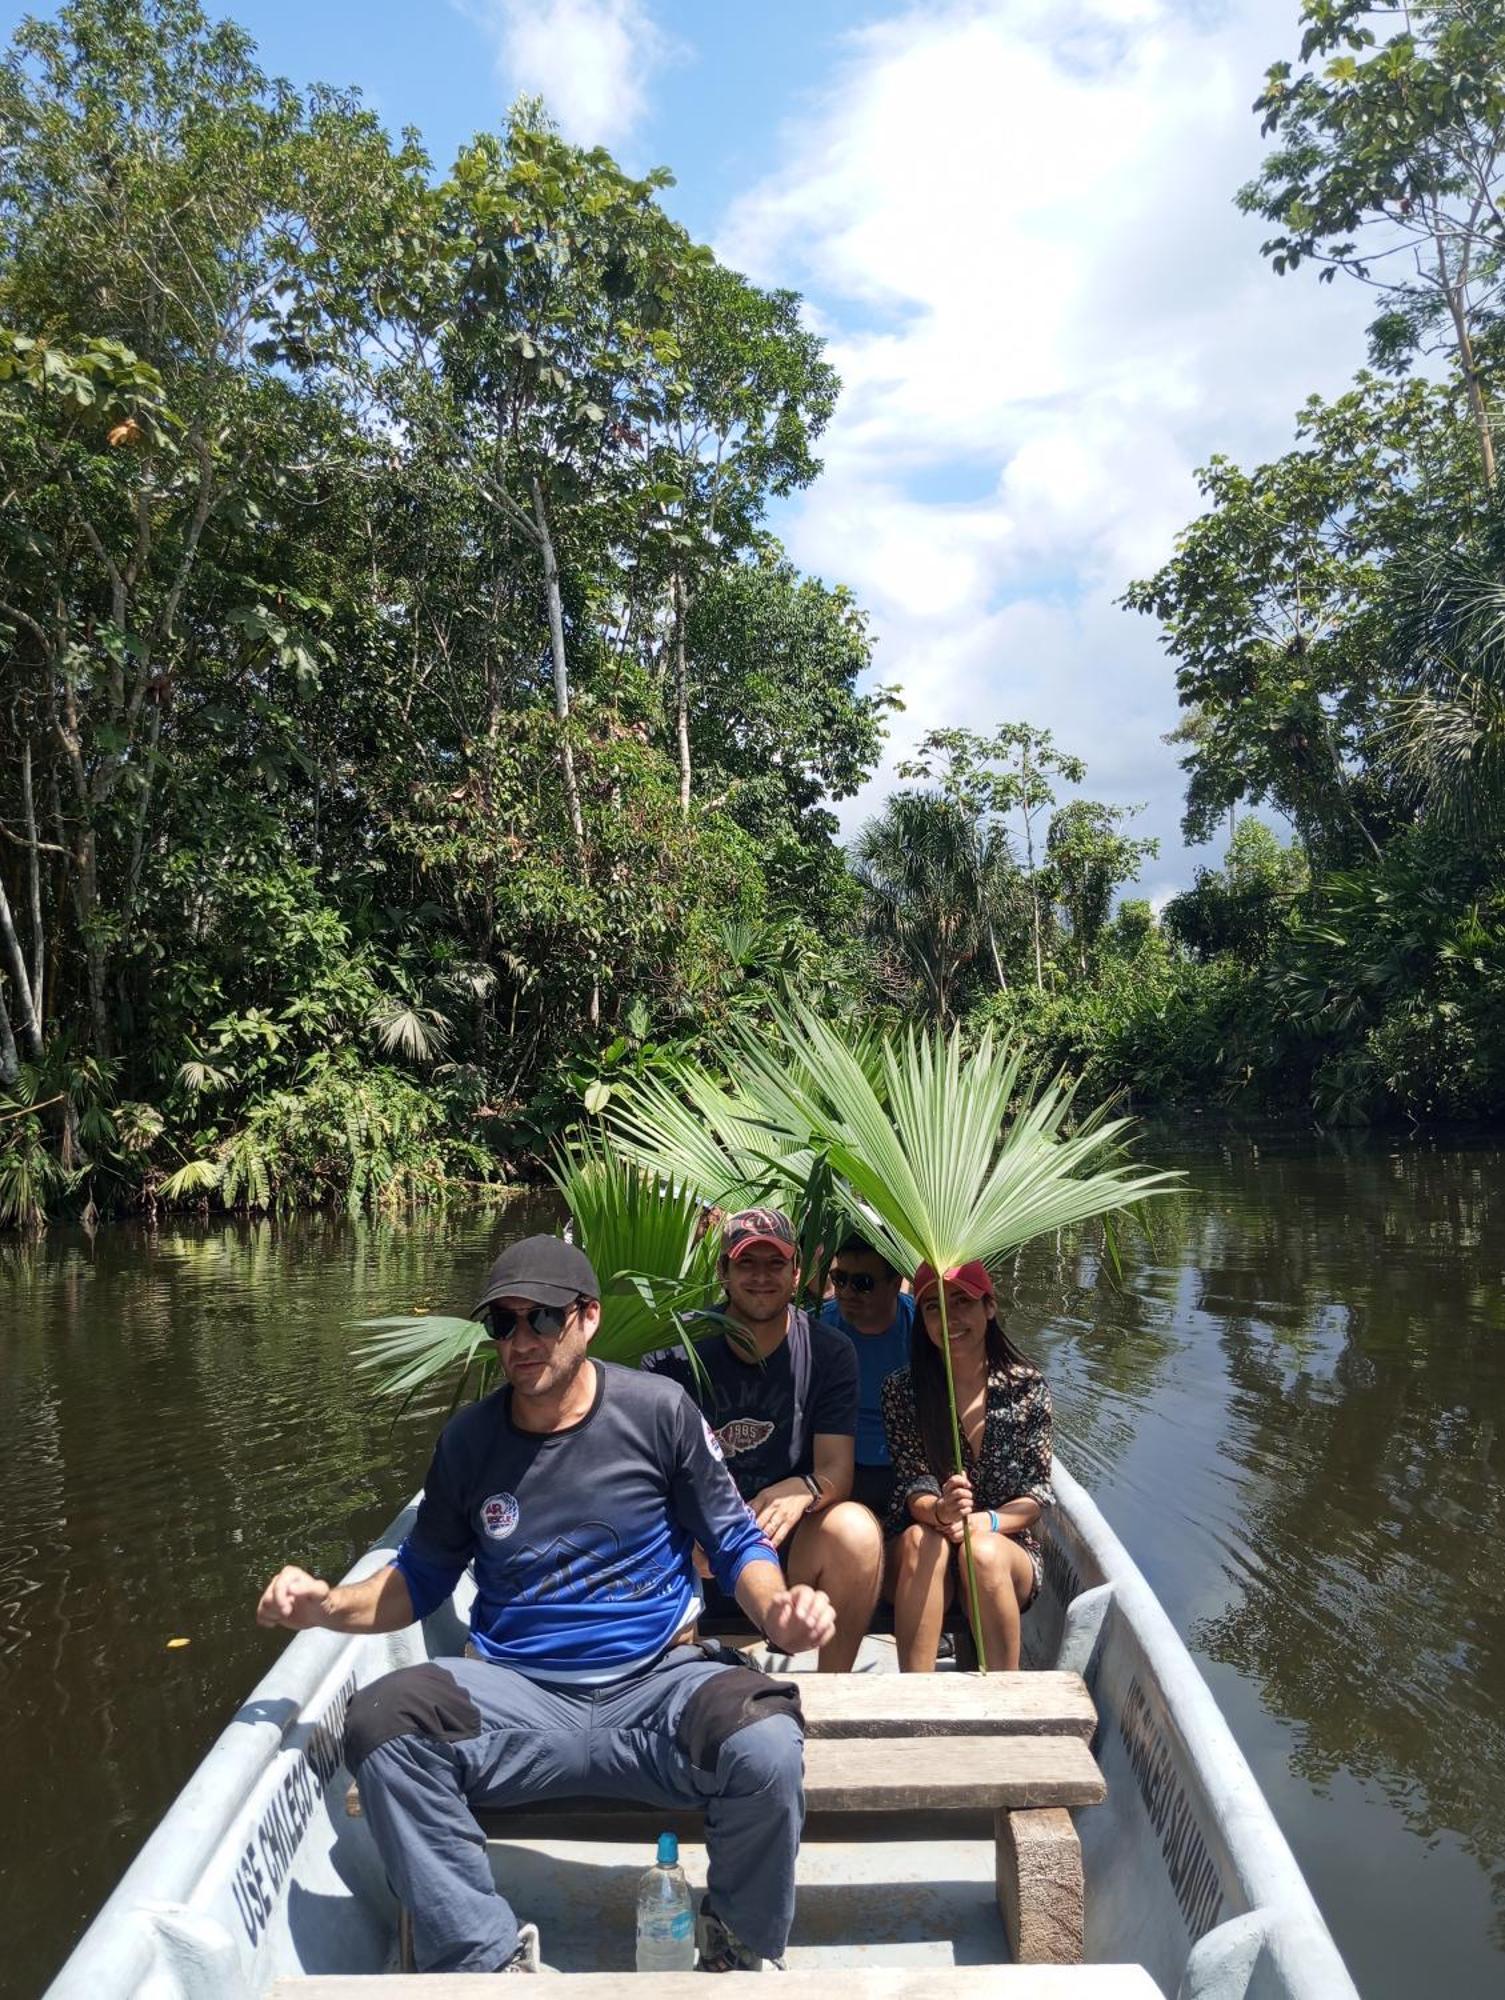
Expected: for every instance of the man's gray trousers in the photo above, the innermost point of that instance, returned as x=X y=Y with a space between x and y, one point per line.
x=428 y=1742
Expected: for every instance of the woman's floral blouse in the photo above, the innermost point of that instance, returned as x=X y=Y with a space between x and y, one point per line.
x=1014 y=1463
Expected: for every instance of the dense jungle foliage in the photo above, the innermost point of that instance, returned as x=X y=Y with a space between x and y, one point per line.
x=411 y=732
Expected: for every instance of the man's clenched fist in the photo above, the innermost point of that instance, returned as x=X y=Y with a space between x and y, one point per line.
x=798 y=1619
x=295 y=1599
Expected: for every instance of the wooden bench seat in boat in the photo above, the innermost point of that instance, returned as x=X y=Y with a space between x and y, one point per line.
x=888 y=1982
x=1013 y=1745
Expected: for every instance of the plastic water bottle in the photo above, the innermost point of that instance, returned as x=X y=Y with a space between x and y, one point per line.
x=666 y=1920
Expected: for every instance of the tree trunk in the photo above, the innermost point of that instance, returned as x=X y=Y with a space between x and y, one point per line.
x=998 y=971
x=1029 y=855
x=14 y=961
x=1453 y=292
x=1477 y=404
x=977 y=870
x=562 y=701
x=561 y=669
x=681 y=693
x=85 y=869
x=34 y=886
x=10 y=1060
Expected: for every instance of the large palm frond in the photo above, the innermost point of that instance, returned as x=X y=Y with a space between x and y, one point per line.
x=963 y=1160
x=692 y=1132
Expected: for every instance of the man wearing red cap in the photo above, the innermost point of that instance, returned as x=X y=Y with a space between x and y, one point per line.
x=780 y=1389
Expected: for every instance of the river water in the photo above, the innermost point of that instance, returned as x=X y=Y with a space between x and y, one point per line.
x=1290 y=1403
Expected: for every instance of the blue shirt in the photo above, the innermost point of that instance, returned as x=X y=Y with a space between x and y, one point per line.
x=581 y=1539
x=878 y=1354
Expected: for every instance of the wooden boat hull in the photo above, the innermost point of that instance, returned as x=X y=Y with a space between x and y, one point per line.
x=258 y=1870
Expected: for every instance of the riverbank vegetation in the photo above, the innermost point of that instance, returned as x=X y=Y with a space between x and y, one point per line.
x=413 y=734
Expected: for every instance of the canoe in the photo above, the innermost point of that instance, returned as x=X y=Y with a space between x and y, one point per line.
x=259 y=1872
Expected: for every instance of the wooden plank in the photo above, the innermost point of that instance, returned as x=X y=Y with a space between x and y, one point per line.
x=1040 y=1892
x=880 y=1705
x=883 y=1774
x=887 y=1774
x=888 y=1982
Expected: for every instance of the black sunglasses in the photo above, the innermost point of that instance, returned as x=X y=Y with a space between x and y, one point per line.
x=852 y=1281
x=546 y=1321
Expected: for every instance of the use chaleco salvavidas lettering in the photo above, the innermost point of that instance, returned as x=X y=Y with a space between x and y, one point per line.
x=262 y=1869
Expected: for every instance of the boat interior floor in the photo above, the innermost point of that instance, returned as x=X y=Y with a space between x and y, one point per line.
x=866 y=1896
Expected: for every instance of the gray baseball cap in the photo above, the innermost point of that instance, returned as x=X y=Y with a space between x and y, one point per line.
x=545 y=1268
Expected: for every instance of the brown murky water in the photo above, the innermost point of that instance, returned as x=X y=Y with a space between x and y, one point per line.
x=1291 y=1407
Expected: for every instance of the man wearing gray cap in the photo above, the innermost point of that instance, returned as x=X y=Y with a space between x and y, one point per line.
x=578 y=1492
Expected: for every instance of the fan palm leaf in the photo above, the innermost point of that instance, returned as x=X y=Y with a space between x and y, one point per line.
x=650 y=1247
x=691 y=1132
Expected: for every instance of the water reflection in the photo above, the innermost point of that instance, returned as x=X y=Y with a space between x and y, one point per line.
x=1292 y=1409
x=1289 y=1399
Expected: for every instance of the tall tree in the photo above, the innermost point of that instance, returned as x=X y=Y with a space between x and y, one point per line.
x=1273 y=609
x=555 y=312
x=781 y=727
x=1090 y=858
x=1391 y=167
x=189 y=257
x=742 y=396
x=939 y=890
x=1011 y=772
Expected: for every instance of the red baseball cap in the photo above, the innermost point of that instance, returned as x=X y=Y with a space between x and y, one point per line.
x=758 y=1225
x=971 y=1278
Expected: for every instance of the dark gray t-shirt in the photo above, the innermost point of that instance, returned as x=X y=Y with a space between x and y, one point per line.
x=750 y=1403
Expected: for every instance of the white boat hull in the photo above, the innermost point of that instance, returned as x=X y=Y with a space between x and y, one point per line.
x=258 y=1871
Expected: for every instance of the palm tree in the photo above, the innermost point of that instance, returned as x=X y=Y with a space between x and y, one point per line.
x=1448 y=733
x=938 y=889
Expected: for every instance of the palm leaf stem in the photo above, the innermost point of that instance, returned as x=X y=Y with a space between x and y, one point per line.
x=974 y=1603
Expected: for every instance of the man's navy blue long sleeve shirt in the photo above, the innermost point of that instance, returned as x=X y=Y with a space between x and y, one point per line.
x=581 y=1539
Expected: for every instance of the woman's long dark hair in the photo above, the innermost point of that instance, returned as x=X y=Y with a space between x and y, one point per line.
x=927 y=1375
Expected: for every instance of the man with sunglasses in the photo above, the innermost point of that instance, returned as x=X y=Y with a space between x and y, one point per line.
x=780 y=1390
x=577 y=1493
x=877 y=1316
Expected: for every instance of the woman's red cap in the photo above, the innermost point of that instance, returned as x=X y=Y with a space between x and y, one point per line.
x=970 y=1278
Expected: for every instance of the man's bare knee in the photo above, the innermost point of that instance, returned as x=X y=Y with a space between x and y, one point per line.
x=851 y=1528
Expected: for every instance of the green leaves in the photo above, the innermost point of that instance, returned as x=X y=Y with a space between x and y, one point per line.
x=1399 y=146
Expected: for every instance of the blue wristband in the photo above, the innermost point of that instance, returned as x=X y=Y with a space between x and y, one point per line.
x=993 y=1520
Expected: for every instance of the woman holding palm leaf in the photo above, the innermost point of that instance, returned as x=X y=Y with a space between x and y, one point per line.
x=1003 y=1408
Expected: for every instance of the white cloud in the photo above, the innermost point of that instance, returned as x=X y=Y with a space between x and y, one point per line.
x=1014 y=220
x=590 y=60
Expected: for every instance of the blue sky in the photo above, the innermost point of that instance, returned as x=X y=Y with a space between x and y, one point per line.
x=1013 y=221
